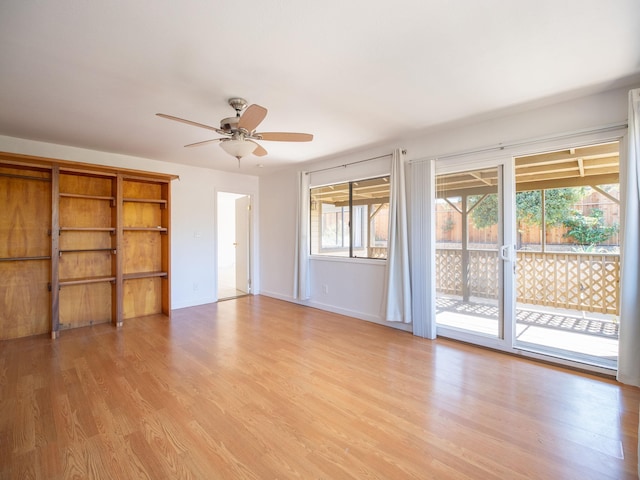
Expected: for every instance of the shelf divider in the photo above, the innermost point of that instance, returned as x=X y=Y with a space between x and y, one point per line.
x=89 y=250
x=86 y=280
x=136 y=275
x=23 y=259
x=88 y=197
x=145 y=229
x=87 y=229
x=159 y=201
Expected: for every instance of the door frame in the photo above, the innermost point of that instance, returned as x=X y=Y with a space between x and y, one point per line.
x=506 y=175
x=246 y=245
x=253 y=236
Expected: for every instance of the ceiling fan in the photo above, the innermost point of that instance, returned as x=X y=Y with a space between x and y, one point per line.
x=240 y=131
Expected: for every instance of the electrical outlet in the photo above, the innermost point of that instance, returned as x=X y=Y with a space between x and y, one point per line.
x=325 y=289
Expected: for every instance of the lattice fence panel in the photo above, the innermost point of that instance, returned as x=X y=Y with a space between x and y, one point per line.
x=611 y=287
x=483 y=273
x=574 y=281
x=585 y=282
x=449 y=271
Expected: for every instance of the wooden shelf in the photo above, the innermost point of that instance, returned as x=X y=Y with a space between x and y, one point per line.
x=23 y=259
x=89 y=197
x=133 y=276
x=107 y=206
x=145 y=229
x=159 y=201
x=86 y=280
x=89 y=250
x=87 y=229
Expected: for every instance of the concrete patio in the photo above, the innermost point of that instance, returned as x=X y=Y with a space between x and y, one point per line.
x=589 y=338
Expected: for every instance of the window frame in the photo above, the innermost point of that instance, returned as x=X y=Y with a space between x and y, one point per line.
x=362 y=224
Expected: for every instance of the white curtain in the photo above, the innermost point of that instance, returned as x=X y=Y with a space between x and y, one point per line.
x=629 y=347
x=397 y=286
x=422 y=248
x=301 y=287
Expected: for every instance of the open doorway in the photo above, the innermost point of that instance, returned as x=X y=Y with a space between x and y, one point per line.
x=234 y=245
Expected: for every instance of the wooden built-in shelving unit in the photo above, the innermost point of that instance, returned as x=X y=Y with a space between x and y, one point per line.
x=80 y=244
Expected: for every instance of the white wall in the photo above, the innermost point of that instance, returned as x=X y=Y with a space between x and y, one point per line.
x=277 y=233
x=193 y=213
x=355 y=287
x=589 y=112
x=193 y=231
x=351 y=287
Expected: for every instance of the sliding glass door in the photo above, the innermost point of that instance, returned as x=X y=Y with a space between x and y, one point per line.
x=568 y=270
x=475 y=252
x=527 y=253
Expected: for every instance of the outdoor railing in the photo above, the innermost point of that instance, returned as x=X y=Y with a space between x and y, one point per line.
x=377 y=252
x=577 y=281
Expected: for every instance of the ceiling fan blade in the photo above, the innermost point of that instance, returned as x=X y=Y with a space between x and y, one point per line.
x=251 y=118
x=285 y=136
x=197 y=144
x=259 y=151
x=189 y=122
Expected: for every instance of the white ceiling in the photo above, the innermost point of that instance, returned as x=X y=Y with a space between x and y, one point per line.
x=354 y=73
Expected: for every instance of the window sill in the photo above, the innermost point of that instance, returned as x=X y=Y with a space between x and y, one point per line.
x=358 y=260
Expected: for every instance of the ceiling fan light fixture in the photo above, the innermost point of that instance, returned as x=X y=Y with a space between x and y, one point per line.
x=238 y=148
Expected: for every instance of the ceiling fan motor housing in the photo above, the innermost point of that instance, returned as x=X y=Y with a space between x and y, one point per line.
x=229 y=124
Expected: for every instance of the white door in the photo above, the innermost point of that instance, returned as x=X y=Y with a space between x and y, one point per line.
x=243 y=244
x=233 y=249
x=475 y=251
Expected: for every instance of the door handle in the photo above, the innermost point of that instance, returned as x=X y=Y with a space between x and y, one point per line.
x=507 y=253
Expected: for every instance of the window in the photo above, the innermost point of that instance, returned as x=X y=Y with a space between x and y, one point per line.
x=351 y=219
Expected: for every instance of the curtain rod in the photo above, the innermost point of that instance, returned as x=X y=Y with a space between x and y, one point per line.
x=502 y=146
x=345 y=165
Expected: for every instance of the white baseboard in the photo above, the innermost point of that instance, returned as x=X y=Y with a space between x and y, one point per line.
x=407 y=327
x=192 y=302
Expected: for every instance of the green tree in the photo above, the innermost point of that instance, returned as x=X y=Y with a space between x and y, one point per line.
x=485 y=213
x=558 y=202
x=588 y=231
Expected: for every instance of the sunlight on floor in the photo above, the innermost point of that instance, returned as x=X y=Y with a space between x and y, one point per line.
x=591 y=339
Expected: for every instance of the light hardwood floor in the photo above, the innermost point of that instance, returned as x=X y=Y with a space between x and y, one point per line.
x=259 y=388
